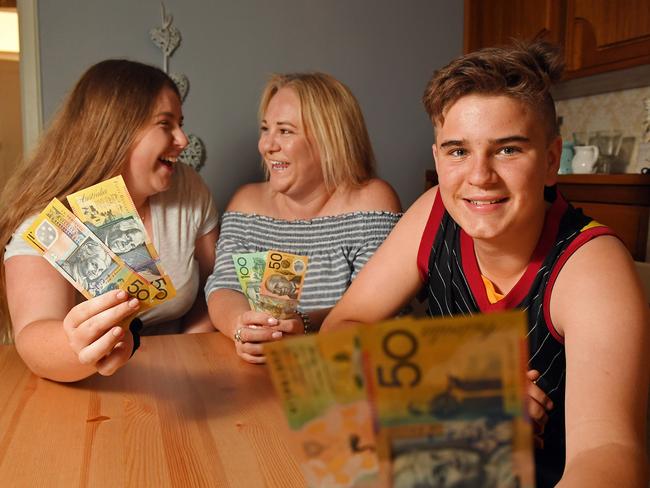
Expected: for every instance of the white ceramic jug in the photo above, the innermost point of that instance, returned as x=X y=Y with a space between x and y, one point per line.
x=584 y=159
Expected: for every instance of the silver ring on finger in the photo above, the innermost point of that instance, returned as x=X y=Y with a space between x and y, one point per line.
x=238 y=336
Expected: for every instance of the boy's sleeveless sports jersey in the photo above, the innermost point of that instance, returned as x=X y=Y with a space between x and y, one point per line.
x=453 y=285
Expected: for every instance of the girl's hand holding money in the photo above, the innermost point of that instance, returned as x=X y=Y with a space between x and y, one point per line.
x=94 y=335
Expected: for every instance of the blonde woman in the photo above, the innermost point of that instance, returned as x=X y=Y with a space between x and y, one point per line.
x=320 y=199
x=124 y=118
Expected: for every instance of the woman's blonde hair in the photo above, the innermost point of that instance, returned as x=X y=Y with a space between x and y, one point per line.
x=88 y=141
x=332 y=116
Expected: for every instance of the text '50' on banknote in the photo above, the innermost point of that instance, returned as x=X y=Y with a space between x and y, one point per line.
x=81 y=257
x=319 y=379
x=449 y=393
x=109 y=212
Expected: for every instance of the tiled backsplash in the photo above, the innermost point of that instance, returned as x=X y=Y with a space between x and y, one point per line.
x=621 y=110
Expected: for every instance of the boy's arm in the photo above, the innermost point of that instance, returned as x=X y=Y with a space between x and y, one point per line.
x=599 y=307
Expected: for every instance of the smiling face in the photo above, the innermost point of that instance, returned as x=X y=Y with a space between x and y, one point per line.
x=291 y=157
x=152 y=158
x=493 y=160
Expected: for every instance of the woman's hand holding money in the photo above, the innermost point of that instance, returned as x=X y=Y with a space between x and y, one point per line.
x=255 y=328
x=94 y=335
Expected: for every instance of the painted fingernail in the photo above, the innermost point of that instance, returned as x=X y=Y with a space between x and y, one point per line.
x=121 y=294
x=272 y=321
x=276 y=335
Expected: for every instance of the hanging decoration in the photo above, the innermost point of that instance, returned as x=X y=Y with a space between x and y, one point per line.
x=167 y=38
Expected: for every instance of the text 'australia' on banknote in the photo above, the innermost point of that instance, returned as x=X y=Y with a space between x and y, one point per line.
x=81 y=257
x=320 y=382
x=109 y=212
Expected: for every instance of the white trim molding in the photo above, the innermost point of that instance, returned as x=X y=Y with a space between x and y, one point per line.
x=30 y=74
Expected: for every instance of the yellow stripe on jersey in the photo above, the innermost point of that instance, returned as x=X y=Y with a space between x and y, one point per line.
x=492 y=295
x=591 y=225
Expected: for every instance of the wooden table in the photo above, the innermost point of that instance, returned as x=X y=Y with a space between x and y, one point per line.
x=185 y=411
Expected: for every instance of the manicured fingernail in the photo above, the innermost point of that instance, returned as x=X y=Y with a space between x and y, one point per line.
x=272 y=321
x=134 y=303
x=121 y=294
x=277 y=334
x=117 y=331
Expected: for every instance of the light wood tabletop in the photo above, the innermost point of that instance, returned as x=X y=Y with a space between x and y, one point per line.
x=185 y=411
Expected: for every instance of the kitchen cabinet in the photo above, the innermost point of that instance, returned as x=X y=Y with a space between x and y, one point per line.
x=597 y=36
x=496 y=22
x=620 y=201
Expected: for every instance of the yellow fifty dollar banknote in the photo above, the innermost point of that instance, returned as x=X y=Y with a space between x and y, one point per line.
x=282 y=282
x=449 y=393
x=81 y=257
x=108 y=211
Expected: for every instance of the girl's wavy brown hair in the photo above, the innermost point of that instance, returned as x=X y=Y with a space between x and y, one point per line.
x=88 y=141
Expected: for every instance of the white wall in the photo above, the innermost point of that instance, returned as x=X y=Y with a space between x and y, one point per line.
x=384 y=50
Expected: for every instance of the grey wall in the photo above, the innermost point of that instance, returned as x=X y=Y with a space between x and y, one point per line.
x=383 y=50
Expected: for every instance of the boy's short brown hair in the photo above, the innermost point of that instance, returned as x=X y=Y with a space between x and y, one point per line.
x=521 y=71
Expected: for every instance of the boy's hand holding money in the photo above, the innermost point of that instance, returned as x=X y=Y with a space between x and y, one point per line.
x=96 y=332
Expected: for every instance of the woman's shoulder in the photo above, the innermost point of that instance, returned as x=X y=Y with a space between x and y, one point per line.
x=375 y=195
x=249 y=198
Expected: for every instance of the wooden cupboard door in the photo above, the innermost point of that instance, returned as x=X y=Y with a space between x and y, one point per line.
x=496 y=22
x=629 y=222
x=605 y=35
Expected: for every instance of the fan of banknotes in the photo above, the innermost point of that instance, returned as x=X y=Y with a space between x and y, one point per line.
x=103 y=245
x=409 y=402
x=271 y=280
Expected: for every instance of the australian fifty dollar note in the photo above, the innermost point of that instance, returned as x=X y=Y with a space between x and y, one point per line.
x=282 y=282
x=81 y=257
x=449 y=394
x=109 y=212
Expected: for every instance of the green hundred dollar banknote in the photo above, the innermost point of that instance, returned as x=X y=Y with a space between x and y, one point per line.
x=250 y=269
x=109 y=212
x=320 y=382
x=81 y=257
x=449 y=398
